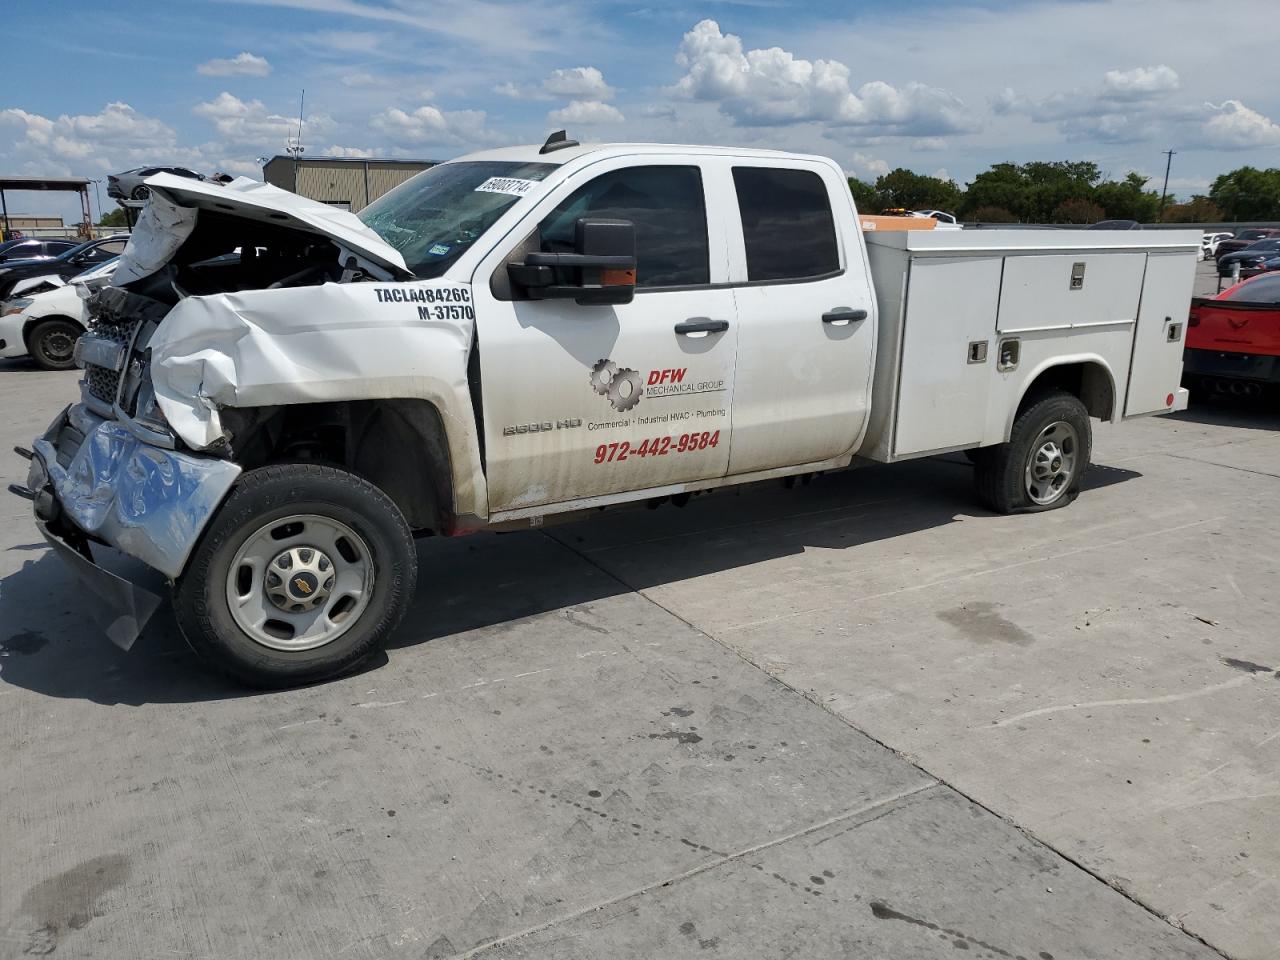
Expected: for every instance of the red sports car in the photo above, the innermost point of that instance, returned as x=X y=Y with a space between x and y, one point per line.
x=1233 y=339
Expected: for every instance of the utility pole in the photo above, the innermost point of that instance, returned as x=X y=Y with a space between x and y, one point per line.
x=1165 y=192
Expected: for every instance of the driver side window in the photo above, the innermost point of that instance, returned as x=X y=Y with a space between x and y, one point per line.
x=667 y=207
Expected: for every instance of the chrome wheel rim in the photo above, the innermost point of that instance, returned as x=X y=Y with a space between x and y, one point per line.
x=57 y=345
x=299 y=582
x=1052 y=464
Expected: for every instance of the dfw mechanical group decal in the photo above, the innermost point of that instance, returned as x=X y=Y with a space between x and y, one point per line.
x=623 y=387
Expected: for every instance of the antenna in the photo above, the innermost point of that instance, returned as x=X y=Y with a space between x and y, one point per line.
x=294 y=145
x=558 y=141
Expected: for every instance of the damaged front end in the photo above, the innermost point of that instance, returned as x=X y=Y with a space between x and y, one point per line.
x=111 y=470
x=108 y=470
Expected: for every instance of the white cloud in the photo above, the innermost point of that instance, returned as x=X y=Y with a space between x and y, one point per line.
x=1140 y=82
x=1128 y=106
x=484 y=25
x=360 y=79
x=872 y=166
x=774 y=87
x=658 y=111
x=116 y=138
x=571 y=83
x=586 y=112
x=117 y=127
x=38 y=129
x=238 y=167
x=517 y=92
x=929 y=143
x=1235 y=126
x=431 y=125
x=241 y=65
x=348 y=153
x=578 y=83
x=249 y=122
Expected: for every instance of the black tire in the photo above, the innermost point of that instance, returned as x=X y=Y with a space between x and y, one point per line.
x=51 y=343
x=274 y=493
x=1000 y=472
x=973 y=454
x=140 y=192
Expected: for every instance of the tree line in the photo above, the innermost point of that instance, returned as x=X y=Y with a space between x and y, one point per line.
x=1067 y=191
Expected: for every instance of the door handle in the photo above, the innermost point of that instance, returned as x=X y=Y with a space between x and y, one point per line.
x=843 y=315
x=702 y=325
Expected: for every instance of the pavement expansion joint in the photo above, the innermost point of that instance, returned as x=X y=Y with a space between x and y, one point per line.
x=881 y=806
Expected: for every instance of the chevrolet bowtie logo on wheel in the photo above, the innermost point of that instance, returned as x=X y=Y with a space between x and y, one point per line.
x=621 y=385
x=302 y=585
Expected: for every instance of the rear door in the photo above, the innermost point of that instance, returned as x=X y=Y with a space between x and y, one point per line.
x=806 y=321
x=585 y=402
x=1156 y=369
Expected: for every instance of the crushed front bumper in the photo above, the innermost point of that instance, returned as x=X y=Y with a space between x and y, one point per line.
x=92 y=480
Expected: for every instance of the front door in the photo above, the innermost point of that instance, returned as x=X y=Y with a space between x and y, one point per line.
x=586 y=402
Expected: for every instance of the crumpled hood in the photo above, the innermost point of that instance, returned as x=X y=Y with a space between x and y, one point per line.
x=170 y=215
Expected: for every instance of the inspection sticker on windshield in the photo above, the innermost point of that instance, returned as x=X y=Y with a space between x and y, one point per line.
x=512 y=185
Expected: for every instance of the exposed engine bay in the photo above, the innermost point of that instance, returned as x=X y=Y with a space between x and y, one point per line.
x=195 y=243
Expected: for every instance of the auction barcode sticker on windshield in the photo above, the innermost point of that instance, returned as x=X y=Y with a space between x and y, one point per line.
x=511 y=185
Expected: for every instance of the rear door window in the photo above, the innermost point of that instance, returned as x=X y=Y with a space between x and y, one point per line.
x=787 y=225
x=667 y=207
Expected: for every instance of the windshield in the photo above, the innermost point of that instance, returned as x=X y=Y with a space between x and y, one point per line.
x=433 y=218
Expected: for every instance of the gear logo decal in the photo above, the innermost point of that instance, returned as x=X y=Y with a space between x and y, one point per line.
x=621 y=385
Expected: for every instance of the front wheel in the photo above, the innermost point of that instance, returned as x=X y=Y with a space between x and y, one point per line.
x=52 y=343
x=303 y=574
x=1041 y=466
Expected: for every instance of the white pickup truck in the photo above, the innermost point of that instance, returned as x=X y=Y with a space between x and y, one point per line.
x=539 y=331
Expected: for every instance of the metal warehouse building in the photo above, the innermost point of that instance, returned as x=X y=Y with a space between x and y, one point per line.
x=348 y=183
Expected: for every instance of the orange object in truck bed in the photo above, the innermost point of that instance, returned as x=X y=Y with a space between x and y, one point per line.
x=896 y=223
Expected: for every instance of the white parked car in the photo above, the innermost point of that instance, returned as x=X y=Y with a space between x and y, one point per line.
x=943 y=220
x=1209 y=244
x=940 y=215
x=45 y=325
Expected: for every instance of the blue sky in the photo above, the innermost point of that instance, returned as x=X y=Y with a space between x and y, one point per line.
x=944 y=88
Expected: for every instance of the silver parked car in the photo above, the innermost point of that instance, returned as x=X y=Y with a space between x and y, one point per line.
x=129 y=185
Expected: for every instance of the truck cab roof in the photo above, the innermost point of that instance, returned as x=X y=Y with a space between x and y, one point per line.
x=531 y=153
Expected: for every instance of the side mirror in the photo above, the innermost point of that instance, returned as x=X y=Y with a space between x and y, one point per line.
x=601 y=270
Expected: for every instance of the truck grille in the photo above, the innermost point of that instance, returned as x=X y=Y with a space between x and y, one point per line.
x=115 y=315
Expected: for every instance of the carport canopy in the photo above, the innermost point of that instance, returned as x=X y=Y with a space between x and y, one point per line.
x=78 y=185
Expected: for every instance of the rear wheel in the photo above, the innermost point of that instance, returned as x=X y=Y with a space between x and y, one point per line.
x=52 y=343
x=303 y=573
x=141 y=192
x=1041 y=466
